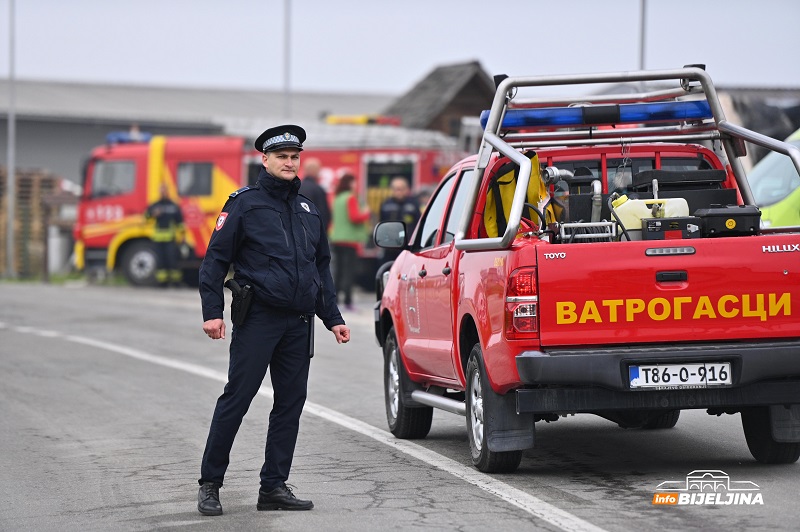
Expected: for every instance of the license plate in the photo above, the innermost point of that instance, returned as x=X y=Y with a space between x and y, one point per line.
x=666 y=376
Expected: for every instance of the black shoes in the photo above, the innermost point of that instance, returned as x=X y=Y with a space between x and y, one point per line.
x=281 y=498
x=208 y=499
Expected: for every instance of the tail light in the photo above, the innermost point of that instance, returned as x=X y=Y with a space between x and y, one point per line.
x=522 y=305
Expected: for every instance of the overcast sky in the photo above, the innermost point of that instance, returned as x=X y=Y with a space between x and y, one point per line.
x=382 y=46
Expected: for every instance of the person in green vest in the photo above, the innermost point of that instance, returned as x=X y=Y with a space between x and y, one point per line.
x=168 y=226
x=348 y=233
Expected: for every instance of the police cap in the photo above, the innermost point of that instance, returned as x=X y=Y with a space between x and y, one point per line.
x=276 y=138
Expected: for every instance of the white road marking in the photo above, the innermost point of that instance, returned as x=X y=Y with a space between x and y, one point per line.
x=525 y=501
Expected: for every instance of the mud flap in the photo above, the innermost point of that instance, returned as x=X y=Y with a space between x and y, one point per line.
x=785 y=422
x=505 y=429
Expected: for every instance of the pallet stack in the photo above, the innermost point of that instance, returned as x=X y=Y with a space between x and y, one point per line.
x=30 y=231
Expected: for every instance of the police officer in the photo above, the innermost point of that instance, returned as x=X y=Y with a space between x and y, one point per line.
x=399 y=207
x=168 y=224
x=276 y=242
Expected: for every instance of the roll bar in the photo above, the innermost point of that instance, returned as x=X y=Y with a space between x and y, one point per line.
x=729 y=134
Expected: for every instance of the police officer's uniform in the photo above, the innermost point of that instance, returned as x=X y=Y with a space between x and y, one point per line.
x=275 y=240
x=394 y=210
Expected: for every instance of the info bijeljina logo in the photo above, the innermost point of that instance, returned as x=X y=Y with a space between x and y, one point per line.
x=707 y=487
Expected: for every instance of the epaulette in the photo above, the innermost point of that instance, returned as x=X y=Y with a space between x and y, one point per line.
x=243 y=189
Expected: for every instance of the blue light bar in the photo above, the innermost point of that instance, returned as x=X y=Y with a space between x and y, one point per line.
x=595 y=115
x=126 y=137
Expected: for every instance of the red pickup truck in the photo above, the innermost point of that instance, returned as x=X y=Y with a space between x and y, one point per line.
x=599 y=254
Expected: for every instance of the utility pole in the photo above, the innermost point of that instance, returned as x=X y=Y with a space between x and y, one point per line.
x=642 y=33
x=11 y=188
x=287 y=91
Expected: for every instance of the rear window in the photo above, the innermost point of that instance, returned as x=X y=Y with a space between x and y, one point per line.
x=621 y=171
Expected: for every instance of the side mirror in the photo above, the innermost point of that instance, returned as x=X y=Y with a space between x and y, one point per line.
x=390 y=235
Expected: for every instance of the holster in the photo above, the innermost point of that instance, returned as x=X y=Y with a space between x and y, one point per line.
x=309 y=319
x=242 y=297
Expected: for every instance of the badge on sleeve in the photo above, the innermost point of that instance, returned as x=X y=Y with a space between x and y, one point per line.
x=221 y=220
x=305 y=206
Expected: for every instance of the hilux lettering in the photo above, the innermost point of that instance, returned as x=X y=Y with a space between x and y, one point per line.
x=761 y=306
x=780 y=249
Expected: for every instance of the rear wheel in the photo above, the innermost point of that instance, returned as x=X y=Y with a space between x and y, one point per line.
x=477 y=413
x=139 y=263
x=758 y=433
x=667 y=420
x=405 y=422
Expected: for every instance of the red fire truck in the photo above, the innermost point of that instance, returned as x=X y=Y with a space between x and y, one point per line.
x=124 y=176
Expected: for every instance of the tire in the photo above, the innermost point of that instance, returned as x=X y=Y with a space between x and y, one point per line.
x=405 y=422
x=139 y=263
x=758 y=433
x=477 y=387
x=667 y=420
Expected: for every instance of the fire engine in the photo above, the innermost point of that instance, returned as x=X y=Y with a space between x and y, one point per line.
x=574 y=266
x=124 y=176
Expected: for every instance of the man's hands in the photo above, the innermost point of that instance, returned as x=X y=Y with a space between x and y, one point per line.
x=341 y=332
x=215 y=329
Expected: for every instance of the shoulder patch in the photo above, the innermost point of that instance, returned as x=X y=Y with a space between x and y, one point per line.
x=221 y=220
x=243 y=189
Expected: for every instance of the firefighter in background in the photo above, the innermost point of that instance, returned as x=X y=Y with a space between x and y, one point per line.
x=401 y=206
x=168 y=228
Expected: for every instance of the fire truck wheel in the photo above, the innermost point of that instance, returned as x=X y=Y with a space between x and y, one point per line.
x=405 y=422
x=139 y=264
x=667 y=420
x=758 y=433
x=477 y=387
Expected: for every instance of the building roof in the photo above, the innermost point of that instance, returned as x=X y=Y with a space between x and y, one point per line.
x=431 y=95
x=237 y=111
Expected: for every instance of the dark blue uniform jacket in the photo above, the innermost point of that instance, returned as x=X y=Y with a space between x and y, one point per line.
x=276 y=242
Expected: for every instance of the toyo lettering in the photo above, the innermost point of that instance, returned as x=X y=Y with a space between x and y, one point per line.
x=560 y=255
x=780 y=249
x=761 y=306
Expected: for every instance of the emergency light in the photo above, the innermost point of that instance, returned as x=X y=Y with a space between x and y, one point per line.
x=588 y=115
x=126 y=137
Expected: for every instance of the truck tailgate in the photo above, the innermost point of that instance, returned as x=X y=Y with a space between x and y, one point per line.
x=682 y=290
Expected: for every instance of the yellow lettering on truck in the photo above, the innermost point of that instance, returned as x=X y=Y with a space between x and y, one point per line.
x=728 y=306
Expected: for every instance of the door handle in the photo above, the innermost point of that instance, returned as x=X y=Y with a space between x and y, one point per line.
x=446 y=270
x=423 y=272
x=667 y=276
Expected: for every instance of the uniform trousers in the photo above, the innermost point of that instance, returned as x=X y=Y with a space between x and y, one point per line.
x=344 y=270
x=167 y=261
x=268 y=338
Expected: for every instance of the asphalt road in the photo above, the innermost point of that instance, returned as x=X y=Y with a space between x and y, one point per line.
x=106 y=394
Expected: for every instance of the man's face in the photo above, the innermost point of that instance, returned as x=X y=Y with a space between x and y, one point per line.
x=283 y=163
x=399 y=188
